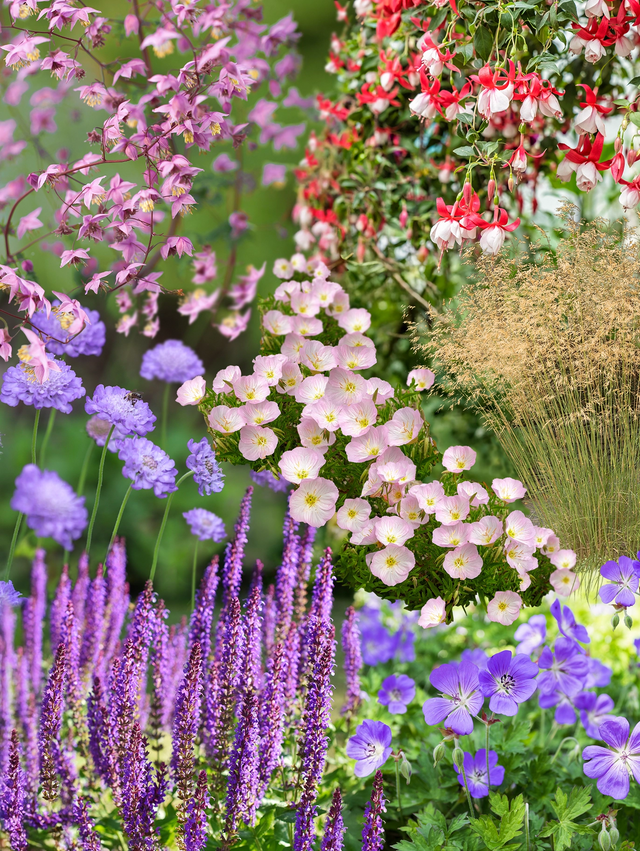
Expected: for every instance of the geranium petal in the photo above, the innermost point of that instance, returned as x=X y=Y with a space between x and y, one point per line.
x=436 y=709
x=445 y=679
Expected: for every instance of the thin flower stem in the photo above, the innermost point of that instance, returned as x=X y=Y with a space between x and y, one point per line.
x=165 y=415
x=486 y=745
x=12 y=548
x=34 y=438
x=118 y=519
x=466 y=789
x=156 y=550
x=84 y=468
x=193 y=576
x=527 y=836
x=96 y=502
x=47 y=435
x=559 y=748
x=398 y=787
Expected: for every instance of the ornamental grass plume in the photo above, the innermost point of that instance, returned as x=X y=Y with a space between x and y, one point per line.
x=546 y=347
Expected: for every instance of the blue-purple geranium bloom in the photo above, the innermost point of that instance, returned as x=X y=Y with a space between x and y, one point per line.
x=370 y=747
x=565 y=712
x=567 y=624
x=121 y=408
x=148 y=466
x=623 y=576
x=396 y=693
x=206 y=470
x=52 y=507
x=531 y=635
x=205 y=525
x=564 y=670
x=61 y=388
x=171 y=361
x=508 y=681
x=594 y=710
x=461 y=698
x=475 y=769
x=598 y=674
x=477 y=657
x=612 y=766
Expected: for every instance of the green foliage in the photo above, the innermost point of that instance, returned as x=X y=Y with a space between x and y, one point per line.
x=568 y=808
x=497 y=835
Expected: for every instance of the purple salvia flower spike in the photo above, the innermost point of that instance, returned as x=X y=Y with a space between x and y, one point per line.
x=95 y=626
x=253 y=633
x=89 y=837
x=234 y=552
x=117 y=601
x=7 y=668
x=26 y=714
x=314 y=741
x=287 y=575
x=185 y=731
x=304 y=569
x=319 y=612
x=35 y=609
x=351 y=640
x=292 y=662
x=269 y=621
x=242 y=785
x=203 y=611
x=80 y=589
x=13 y=800
x=99 y=739
x=71 y=637
x=143 y=790
x=195 y=828
x=373 y=830
x=178 y=655
x=272 y=717
x=160 y=709
x=50 y=723
x=59 y=607
x=334 y=827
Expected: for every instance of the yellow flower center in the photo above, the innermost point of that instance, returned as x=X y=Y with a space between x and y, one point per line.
x=311 y=499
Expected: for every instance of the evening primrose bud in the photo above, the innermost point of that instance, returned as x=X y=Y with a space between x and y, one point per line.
x=438 y=753
x=604 y=840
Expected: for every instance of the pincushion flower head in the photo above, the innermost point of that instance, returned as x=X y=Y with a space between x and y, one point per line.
x=59 y=390
x=314 y=502
x=205 y=525
x=623 y=576
x=613 y=766
x=8 y=595
x=148 y=466
x=59 y=337
x=461 y=698
x=456 y=459
x=51 y=506
x=207 y=473
x=171 y=361
x=396 y=693
x=508 y=681
x=475 y=769
x=122 y=408
x=370 y=747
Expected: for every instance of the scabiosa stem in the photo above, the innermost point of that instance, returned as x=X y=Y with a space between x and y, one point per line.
x=12 y=547
x=47 y=435
x=119 y=518
x=96 y=501
x=34 y=436
x=334 y=827
x=373 y=830
x=84 y=468
x=165 y=517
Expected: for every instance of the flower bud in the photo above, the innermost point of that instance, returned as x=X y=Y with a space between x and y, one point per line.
x=614 y=834
x=615 y=620
x=405 y=768
x=438 y=753
x=458 y=757
x=511 y=183
x=491 y=189
x=628 y=620
x=617 y=145
x=604 y=840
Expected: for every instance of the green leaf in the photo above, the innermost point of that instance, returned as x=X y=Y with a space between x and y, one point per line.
x=483 y=42
x=567 y=808
x=466 y=151
x=511 y=814
x=634 y=118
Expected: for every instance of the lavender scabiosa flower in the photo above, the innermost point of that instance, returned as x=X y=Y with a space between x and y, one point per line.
x=564 y=669
x=205 y=525
x=373 y=830
x=314 y=742
x=266 y=479
x=186 y=724
x=203 y=610
x=475 y=769
x=334 y=827
x=396 y=693
x=352 y=661
x=12 y=800
x=99 y=431
x=8 y=594
x=89 y=341
x=206 y=470
x=508 y=681
x=122 y=409
x=61 y=388
x=148 y=466
x=51 y=506
x=234 y=552
x=370 y=746
x=594 y=710
x=172 y=362
x=612 y=766
x=50 y=724
x=461 y=697
x=242 y=785
x=623 y=576
x=567 y=624
x=195 y=827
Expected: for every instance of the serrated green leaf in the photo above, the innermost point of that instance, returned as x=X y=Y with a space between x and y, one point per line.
x=567 y=808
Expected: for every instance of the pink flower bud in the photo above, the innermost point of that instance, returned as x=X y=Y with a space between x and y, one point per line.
x=131 y=25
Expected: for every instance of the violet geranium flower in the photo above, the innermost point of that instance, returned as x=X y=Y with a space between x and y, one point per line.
x=531 y=634
x=595 y=709
x=121 y=408
x=567 y=624
x=624 y=578
x=370 y=747
x=148 y=466
x=508 y=681
x=396 y=693
x=475 y=769
x=612 y=766
x=51 y=506
x=171 y=361
x=564 y=669
x=460 y=697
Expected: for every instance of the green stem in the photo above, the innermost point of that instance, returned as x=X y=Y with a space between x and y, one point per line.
x=12 y=548
x=487 y=755
x=560 y=746
x=156 y=550
x=34 y=438
x=96 y=501
x=398 y=786
x=527 y=837
x=466 y=789
x=84 y=468
x=193 y=576
x=47 y=435
x=118 y=519
x=165 y=415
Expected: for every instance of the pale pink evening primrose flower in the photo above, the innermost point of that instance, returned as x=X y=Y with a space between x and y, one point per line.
x=409 y=509
x=260 y=413
x=283 y=291
x=269 y=368
x=345 y=387
x=520 y=556
x=357 y=419
x=474 y=492
x=379 y=390
x=421 y=379
x=464 y=562
x=366 y=535
x=256 y=442
x=393 y=530
x=192 y=391
x=369 y=446
x=432 y=613
x=292 y=347
x=325 y=413
x=504 y=608
x=458 y=458
x=563 y=559
x=564 y=582
x=451 y=536
x=307 y=326
x=485 y=531
x=353 y=515
x=318 y=357
x=301 y=463
x=392 y=564
x=305 y=304
x=404 y=426
x=314 y=502
x=339 y=305
x=520 y=528
x=508 y=490
x=542 y=535
x=428 y=495
x=355 y=357
x=251 y=388
x=451 y=509
x=277 y=323
x=325 y=292
x=355 y=319
x=552 y=545
x=311 y=389
x=226 y=420
x=223 y=382
x=290 y=379
x=314 y=437
x=396 y=468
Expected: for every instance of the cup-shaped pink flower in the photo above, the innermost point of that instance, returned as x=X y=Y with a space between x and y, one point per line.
x=356 y=420
x=192 y=391
x=552 y=545
x=393 y=530
x=226 y=420
x=311 y=389
x=256 y=442
x=453 y=535
x=314 y=502
x=269 y=368
x=404 y=426
x=260 y=413
x=345 y=387
x=325 y=412
x=420 y=379
x=474 y=492
x=251 y=388
x=409 y=509
x=353 y=515
x=463 y=562
x=519 y=528
x=564 y=582
x=563 y=559
x=392 y=470
x=318 y=357
x=428 y=495
x=369 y=446
x=355 y=357
x=451 y=509
x=505 y=607
x=508 y=490
x=432 y=613
x=518 y=555
x=223 y=382
x=301 y=463
x=314 y=437
x=304 y=304
x=290 y=379
x=366 y=535
x=456 y=459
x=379 y=390
x=392 y=564
x=277 y=323
x=485 y=531
x=542 y=535
x=307 y=326
x=355 y=319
